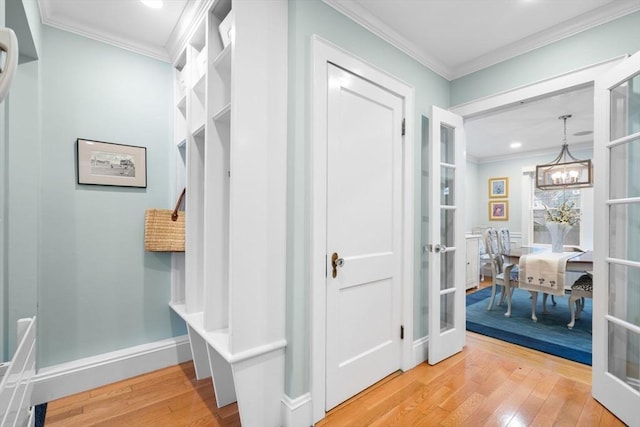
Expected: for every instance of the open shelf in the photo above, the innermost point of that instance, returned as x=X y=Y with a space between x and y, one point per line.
x=223 y=115
x=182 y=106
x=222 y=63
x=198 y=133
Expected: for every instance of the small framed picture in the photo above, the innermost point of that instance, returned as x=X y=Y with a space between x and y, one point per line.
x=106 y=163
x=499 y=187
x=498 y=210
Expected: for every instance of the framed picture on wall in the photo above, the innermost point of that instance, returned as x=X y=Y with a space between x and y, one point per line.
x=499 y=187
x=498 y=210
x=106 y=163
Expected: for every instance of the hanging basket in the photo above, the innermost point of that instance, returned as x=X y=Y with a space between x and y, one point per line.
x=164 y=229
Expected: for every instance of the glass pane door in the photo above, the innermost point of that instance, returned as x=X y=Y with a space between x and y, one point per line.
x=616 y=331
x=446 y=249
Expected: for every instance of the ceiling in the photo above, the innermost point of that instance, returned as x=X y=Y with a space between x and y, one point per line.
x=125 y=23
x=451 y=37
x=535 y=125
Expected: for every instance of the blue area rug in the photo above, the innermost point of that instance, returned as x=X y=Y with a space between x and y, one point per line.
x=40 y=414
x=549 y=335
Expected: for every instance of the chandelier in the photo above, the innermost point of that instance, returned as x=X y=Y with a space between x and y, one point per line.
x=565 y=171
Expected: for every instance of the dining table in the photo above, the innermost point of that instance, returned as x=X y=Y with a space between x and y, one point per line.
x=572 y=260
x=581 y=262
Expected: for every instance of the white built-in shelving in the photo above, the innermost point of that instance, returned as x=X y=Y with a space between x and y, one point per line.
x=230 y=123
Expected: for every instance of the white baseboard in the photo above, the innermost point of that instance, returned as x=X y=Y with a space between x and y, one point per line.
x=420 y=350
x=297 y=412
x=85 y=374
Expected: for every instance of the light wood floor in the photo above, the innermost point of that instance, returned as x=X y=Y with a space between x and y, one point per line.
x=490 y=383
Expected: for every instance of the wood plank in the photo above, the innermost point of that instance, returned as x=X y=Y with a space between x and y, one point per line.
x=489 y=383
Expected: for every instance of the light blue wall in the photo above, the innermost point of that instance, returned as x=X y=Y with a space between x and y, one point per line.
x=22 y=173
x=477 y=191
x=99 y=291
x=472 y=206
x=315 y=17
x=615 y=38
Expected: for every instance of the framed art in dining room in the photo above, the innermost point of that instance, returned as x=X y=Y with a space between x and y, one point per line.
x=499 y=210
x=499 y=187
x=107 y=163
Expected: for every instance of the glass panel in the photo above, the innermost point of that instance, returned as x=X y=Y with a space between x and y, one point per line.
x=447 y=270
x=447 y=232
x=551 y=199
x=447 y=187
x=625 y=105
x=624 y=293
x=624 y=170
x=624 y=355
x=421 y=290
x=623 y=227
x=447 y=144
x=447 y=312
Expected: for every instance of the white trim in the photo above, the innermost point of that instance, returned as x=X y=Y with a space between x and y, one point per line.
x=322 y=53
x=85 y=374
x=186 y=27
x=361 y=16
x=420 y=350
x=364 y=18
x=584 y=76
x=528 y=154
x=609 y=12
x=157 y=52
x=297 y=412
x=192 y=13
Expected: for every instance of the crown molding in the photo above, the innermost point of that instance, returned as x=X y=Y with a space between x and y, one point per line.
x=599 y=16
x=156 y=52
x=532 y=153
x=362 y=17
x=183 y=31
x=594 y=18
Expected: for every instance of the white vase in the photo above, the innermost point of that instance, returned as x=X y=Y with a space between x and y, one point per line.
x=558 y=231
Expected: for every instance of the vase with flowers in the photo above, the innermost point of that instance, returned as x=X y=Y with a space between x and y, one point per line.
x=559 y=223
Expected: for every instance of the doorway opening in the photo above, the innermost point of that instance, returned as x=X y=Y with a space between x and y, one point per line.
x=492 y=125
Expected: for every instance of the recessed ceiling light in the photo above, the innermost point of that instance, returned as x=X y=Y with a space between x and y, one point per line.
x=515 y=145
x=153 y=4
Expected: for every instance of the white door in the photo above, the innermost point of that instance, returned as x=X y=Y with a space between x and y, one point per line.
x=446 y=236
x=616 y=293
x=364 y=206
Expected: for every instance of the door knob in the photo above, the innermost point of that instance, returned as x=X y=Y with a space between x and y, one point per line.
x=437 y=248
x=336 y=262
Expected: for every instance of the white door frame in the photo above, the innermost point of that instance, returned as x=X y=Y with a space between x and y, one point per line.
x=324 y=52
x=581 y=77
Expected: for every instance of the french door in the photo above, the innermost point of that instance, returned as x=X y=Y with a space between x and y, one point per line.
x=616 y=298
x=446 y=250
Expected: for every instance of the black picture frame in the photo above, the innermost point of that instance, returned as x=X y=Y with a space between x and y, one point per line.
x=108 y=163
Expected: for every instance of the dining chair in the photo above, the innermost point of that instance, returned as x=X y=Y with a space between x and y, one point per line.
x=505 y=243
x=503 y=274
x=505 y=239
x=484 y=259
x=581 y=289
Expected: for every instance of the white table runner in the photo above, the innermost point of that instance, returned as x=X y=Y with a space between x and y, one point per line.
x=544 y=272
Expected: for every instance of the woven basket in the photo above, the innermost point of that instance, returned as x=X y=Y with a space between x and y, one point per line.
x=164 y=229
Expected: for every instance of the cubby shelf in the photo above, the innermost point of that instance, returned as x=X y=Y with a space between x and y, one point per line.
x=222 y=63
x=223 y=115
x=220 y=287
x=182 y=106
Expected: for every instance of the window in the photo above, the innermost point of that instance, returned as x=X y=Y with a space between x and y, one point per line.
x=534 y=230
x=551 y=199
